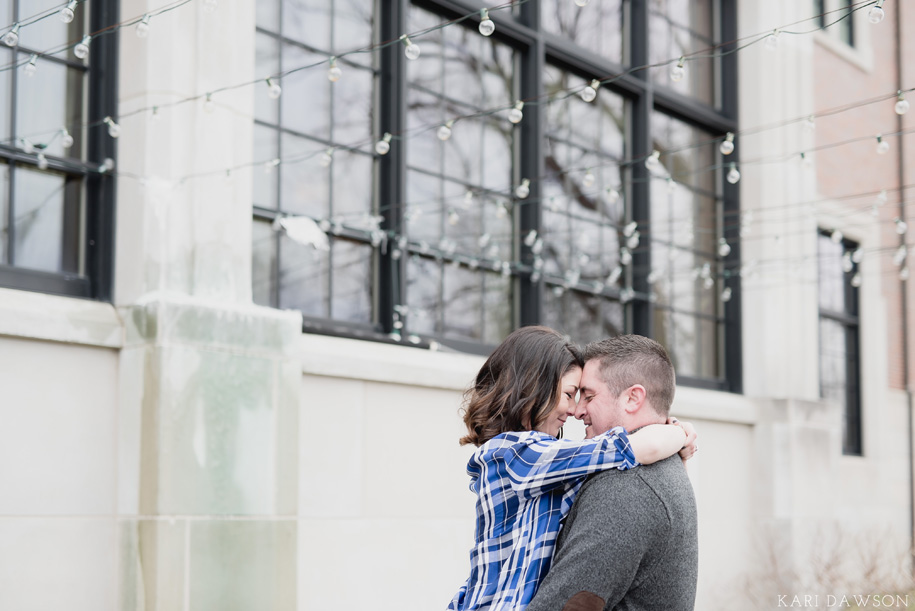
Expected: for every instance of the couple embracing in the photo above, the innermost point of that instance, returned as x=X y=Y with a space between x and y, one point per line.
x=550 y=538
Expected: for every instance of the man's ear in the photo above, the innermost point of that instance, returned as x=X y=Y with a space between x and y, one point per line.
x=635 y=398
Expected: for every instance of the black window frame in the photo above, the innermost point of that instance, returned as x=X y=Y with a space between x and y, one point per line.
x=520 y=29
x=850 y=319
x=100 y=186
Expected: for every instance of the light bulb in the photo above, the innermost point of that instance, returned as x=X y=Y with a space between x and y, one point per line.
x=806 y=159
x=444 y=132
x=334 y=72
x=66 y=140
x=810 y=123
x=42 y=162
x=772 y=40
x=210 y=5
x=530 y=238
x=727 y=145
x=524 y=189
x=114 y=130
x=273 y=89
x=625 y=256
x=836 y=236
x=881 y=197
x=677 y=71
x=487 y=27
x=629 y=229
x=515 y=115
x=724 y=249
x=30 y=67
x=733 y=175
x=411 y=50
x=81 y=50
x=882 y=145
x=589 y=93
x=453 y=217
x=633 y=241
x=726 y=294
x=27 y=147
x=904 y=273
x=613 y=195
x=901 y=227
x=653 y=162
x=67 y=13
x=107 y=164
x=208 y=104
x=581 y=2
x=875 y=14
x=857 y=255
x=902 y=105
x=11 y=38
x=327 y=158
x=588 y=181
x=856 y=280
x=900 y=255
x=627 y=295
x=383 y=146
x=143 y=27
x=847 y=264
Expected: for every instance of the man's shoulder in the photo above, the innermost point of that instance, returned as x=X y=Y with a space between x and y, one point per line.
x=666 y=478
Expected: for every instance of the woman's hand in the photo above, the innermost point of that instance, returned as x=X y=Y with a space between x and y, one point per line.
x=690 y=447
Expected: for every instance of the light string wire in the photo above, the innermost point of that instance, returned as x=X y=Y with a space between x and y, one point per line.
x=39 y=16
x=694 y=55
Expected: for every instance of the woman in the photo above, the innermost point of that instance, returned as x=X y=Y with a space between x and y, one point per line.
x=525 y=478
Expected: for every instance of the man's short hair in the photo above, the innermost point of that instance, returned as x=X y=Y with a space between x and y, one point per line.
x=626 y=360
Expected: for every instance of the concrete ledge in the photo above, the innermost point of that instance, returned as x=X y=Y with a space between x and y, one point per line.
x=377 y=362
x=60 y=319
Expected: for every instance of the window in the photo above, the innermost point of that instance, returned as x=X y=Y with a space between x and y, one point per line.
x=839 y=16
x=470 y=224
x=55 y=206
x=839 y=333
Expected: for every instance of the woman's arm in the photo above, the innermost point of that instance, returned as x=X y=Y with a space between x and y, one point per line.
x=538 y=465
x=656 y=442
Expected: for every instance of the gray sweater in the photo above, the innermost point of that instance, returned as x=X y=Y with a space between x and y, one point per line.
x=629 y=544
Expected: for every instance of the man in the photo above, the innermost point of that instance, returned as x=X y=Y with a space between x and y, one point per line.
x=629 y=543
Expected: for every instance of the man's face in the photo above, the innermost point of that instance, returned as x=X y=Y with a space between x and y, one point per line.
x=597 y=408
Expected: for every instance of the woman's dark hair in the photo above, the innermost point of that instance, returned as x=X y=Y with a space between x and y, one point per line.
x=518 y=384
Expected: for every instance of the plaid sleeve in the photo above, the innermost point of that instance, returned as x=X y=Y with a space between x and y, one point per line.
x=543 y=463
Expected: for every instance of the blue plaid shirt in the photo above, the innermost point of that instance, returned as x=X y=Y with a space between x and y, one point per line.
x=525 y=484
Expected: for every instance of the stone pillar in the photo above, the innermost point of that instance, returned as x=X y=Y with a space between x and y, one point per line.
x=209 y=385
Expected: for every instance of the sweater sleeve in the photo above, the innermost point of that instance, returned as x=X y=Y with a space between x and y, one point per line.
x=542 y=463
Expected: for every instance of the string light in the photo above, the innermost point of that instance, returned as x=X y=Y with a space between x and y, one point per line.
x=677 y=71
x=733 y=174
x=114 y=130
x=629 y=230
x=501 y=213
x=68 y=12
x=411 y=50
x=724 y=249
x=726 y=294
x=515 y=115
x=11 y=38
x=902 y=105
x=273 y=89
x=900 y=255
x=531 y=238
x=901 y=226
x=444 y=132
x=208 y=104
x=327 y=158
x=882 y=145
x=772 y=40
x=334 y=72
x=856 y=280
x=42 y=161
x=653 y=161
x=66 y=140
x=589 y=93
x=875 y=14
x=31 y=68
x=524 y=189
x=904 y=273
x=810 y=123
x=81 y=50
x=487 y=27
x=727 y=145
x=588 y=180
x=143 y=27
x=614 y=275
x=625 y=256
x=384 y=145
x=453 y=217
x=581 y=3
x=836 y=236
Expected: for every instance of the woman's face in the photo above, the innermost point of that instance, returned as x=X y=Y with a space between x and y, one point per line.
x=568 y=390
